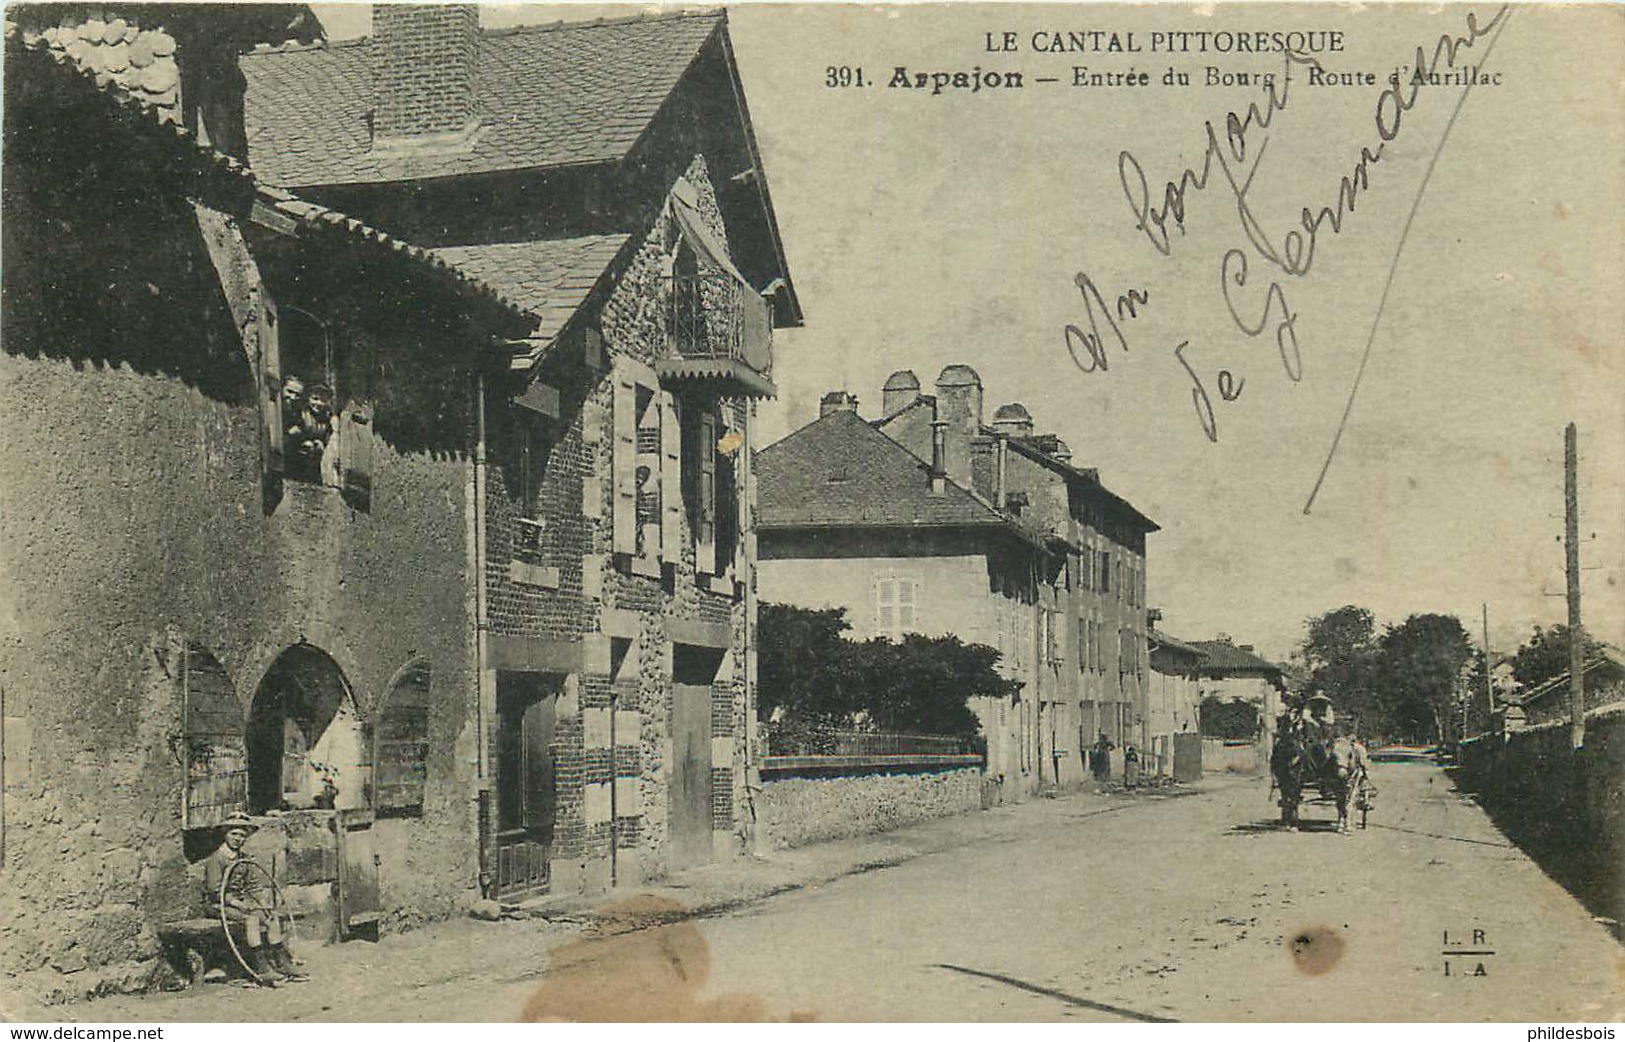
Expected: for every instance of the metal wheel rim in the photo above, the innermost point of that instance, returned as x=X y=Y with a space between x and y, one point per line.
x=278 y=909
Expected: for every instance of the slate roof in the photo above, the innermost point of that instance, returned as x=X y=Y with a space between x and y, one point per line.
x=1225 y=657
x=1031 y=448
x=838 y=471
x=547 y=96
x=223 y=181
x=550 y=278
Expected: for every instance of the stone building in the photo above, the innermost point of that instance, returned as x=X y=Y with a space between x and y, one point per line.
x=1044 y=563
x=236 y=565
x=1235 y=672
x=440 y=562
x=1174 y=700
x=614 y=555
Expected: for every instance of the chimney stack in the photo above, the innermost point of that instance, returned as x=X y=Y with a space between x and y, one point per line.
x=939 y=449
x=424 y=73
x=1013 y=420
x=837 y=401
x=1001 y=469
x=902 y=390
x=959 y=404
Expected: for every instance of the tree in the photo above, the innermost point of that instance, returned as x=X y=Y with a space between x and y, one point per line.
x=921 y=684
x=809 y=673
x=1420 y=667
x=1546 y=655
x=804 y=668
x=1340 y=649
x=1234 y=719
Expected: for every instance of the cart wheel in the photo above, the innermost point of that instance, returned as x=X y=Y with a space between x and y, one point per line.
x=277 y=910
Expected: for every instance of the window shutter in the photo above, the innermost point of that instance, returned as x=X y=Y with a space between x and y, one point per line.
x=705 y=540
x=885 y=612
x=400 y=746
x=272 y=428
x=355 y=455
x=671 y=481
x=905 y=605
x=216 y=755
x=624 y=464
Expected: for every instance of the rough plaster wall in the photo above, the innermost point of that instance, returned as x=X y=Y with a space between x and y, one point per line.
x=798 y=811
x=134 y=516
x=952 y=597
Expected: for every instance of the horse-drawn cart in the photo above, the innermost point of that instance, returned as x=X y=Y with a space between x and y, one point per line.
x=1306 y=769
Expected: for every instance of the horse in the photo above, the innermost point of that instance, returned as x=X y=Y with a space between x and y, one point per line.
x=1298 y=760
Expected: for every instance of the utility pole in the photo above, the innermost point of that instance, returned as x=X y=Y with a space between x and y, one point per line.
x=1489 y=663
x=1571 y=554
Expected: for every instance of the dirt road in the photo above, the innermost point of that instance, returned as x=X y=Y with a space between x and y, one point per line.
x=1191 y=908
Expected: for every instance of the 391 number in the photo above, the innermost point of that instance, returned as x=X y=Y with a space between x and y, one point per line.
x=844 y=76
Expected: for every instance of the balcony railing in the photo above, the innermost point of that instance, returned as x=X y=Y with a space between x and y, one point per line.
x=719 y=329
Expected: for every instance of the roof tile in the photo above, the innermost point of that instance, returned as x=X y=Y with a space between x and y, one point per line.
x=839 y=470
x=547 y=96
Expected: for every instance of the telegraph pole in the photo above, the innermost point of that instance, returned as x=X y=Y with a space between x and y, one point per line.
x=1571 y=554
x=1489 y=686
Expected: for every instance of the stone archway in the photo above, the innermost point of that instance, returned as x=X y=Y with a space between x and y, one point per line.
x=305 y=745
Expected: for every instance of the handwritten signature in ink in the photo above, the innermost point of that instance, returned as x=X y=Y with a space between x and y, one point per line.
x=1238 y=154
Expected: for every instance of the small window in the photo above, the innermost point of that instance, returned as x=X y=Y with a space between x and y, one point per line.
x=309 y=388
x=688 y=303
x=532 y=446
x=319 y=416
x=895 y=607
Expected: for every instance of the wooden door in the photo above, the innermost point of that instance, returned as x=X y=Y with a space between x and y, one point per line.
x=527 y=794
x=359 y=901
x=691 y=775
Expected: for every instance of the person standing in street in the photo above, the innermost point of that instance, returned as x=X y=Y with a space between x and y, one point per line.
x=1101 y=758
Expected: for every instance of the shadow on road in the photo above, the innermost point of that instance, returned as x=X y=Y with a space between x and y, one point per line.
x=1274 y=825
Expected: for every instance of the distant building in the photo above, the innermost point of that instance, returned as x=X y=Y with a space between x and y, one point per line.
x=1231 y=672
x=1175 y=701
x=927 y=520
x=1548 y=700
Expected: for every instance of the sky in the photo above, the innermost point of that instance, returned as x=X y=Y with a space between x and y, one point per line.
x=924 y=229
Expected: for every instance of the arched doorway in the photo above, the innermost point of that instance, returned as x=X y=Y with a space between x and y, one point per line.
x=305 y=745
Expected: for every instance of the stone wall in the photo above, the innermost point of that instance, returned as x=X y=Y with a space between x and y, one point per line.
x=793 y=812
x=1564 y=807
x=136 y=525
x=1220 y=756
